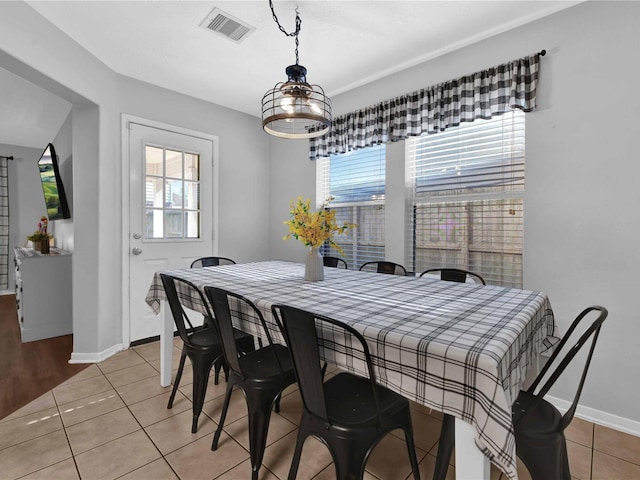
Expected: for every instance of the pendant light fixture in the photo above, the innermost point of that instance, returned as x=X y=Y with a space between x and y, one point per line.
x=295 y=109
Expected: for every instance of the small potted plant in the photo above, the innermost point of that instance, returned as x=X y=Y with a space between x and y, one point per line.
x=40 y=238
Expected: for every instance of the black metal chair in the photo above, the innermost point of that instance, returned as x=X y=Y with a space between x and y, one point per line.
x=245 y=341
x=336 y=262
x=384 y=267
x=455 y=275
x=202 y=345
x=348 y=412
x=538 y=425
x=211 y=262
x=261 y=374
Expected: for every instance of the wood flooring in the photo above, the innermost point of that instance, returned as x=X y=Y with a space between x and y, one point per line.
x=28 y=370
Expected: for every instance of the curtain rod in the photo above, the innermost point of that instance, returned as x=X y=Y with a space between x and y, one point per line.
x=543 y=52
x=8 y=158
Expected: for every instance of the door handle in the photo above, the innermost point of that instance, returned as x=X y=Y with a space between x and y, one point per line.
x=137 y=236
x=136 y=251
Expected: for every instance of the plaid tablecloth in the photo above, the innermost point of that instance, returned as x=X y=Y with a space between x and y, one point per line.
x=460 y=348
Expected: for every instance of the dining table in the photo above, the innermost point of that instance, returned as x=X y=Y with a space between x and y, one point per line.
x=463 y=349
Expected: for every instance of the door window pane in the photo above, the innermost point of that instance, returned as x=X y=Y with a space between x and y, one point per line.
x=192 y=226
x=172 y=194
x=174 y=164
x=153 y=192
x=154 y=160
x=173 y=189
x=191 y=166
x=173 y=224
x=153 y=225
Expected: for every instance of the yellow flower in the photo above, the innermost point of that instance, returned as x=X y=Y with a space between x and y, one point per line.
x=314 y=229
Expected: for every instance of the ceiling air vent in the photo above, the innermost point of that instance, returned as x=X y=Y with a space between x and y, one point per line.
x=224 y=24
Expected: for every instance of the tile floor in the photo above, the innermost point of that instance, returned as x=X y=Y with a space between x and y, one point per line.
x=111 y=421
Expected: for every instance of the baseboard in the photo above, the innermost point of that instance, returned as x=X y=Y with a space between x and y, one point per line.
x=626 y=425
x=96 y=357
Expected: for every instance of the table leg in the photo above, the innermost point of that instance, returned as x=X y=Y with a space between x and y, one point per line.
x=471 y=464
x=166 y=345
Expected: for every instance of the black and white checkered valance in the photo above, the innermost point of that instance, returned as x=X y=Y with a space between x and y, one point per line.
x=481 y=95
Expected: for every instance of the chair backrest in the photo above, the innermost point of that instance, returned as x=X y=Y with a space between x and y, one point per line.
x=313 y=339
x=176 y=288
x=384 y=267
x=211 y=262
x=230 y=308
x=334 y=262
x=455 y=275
x=559 y=364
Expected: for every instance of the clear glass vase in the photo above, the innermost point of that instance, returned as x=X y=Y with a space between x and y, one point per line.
x=314 y=266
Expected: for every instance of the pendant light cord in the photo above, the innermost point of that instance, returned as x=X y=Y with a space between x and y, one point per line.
x=292 y=34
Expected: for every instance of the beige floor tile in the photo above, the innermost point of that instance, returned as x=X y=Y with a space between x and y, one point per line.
x=427 y=466
x=213 y=390
x=237 y=408
x=329 y=473
x=607 y=467
x=523 y=473
x=390 y=459
x=197 y=461
x=155 y=409
x=117 y=457
x=580 y=431
x=89 y=372
x=315 y=457
x=142 y=390
x=123 y=359
x=29 y=427
x=148 y=350
x=97 y=431
x=154 y=360
x=426 y=430
x=34 y=455
x=82 y=389
x=131 y=374
x=291 y=407
x=617 y=444
x=41 y=403
x=175 y=432
x=278 y=428
x=425 y=410
x=579 y=461
x=90 y=407
x=63 y=470
x=156 y=470
x=243 y=472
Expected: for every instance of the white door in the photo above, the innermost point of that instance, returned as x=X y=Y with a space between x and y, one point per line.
x=171 y=212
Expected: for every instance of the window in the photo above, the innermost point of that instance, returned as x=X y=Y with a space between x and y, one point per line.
x=465 y=192
x=172 y=194
x=356 y=181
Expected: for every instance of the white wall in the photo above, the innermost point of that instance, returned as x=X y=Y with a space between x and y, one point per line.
x=40 y=53
x=26 y=202
x=582 y=199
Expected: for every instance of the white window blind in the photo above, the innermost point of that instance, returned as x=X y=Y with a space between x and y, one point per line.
x=356 y=181
x=466 y=187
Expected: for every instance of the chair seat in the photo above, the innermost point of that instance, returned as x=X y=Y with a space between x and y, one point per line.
x=205 y=337
x=542 y=419
x=261 y=364
x=349 y=401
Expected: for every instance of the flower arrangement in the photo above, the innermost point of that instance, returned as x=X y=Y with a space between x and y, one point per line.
x=41 y=233
x=314 y=228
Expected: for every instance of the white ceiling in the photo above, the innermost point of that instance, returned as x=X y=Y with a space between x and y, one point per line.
x=343 y=44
